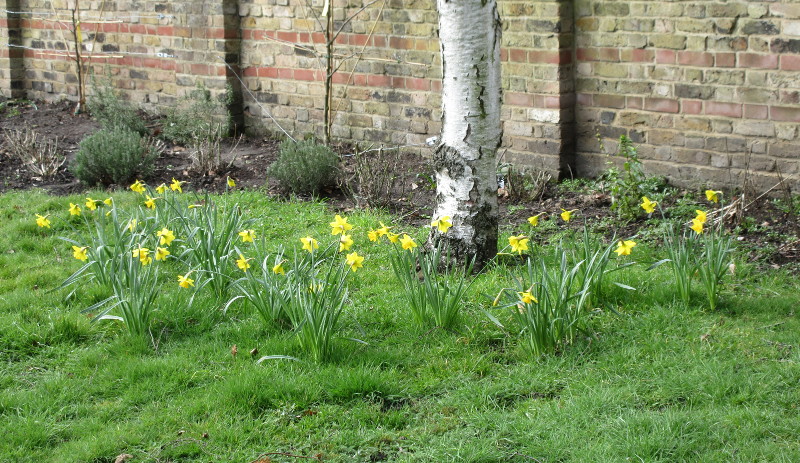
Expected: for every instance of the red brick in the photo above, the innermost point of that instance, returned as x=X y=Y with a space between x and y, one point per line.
x=608 y=54
x=340 y=78
x=552 y=102
x=378 y=41
x=758 y=61
x=379 y=81
x=358 y=39
x=634 y=102
x=284 y=73
x=318 y=37
x=586 y=54
x=360 y=80
x=692 y=106
x=165 y=30
x=503 y=54
x=696 y=58
x=756 y=111
x=413 y=83
x=725 y=60
x=287 y=36
x=199 y=69
x=790 y=62
x=637 y=55
x=518 y=99
x=305 y=74
x=609 y=101
x=268 y=72
x=661 y=105
x=564 y=57
x=714 y=108
x=585 y=99
x=784 y=113
x=665 y=56
x=303 y=37
x=516 y=55
x=400 y=43
x=250 y=72
x=548 y=57
x=436 y=85
x=398 y=82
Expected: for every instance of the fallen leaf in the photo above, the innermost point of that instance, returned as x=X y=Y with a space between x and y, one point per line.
x=123 y=458
x=234 y=350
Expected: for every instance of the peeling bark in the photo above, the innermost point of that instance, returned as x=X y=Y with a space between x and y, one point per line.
x=464 y=161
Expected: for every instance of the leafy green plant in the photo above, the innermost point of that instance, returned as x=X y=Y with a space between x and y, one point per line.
x=629 y=184
x=434 y=288
x=595 y=257
x=304 y=167
x=715 y=262
x=267 y=289
x=111 y=111
x=682 y=252
x=198 y=116
x=114 y=156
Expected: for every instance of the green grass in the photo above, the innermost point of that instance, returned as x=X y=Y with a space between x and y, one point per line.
x=655 y=381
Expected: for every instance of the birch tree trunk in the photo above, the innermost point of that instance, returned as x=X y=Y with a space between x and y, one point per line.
x=464 y=160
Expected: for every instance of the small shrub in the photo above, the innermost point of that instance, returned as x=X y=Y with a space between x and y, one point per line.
x=304 y=167
x=206 y=153
x=377 y=172
x=628 y=185
x=519 y=184
x=111 y=111
x=115 y=156
x=41 y=158
x=198 y=117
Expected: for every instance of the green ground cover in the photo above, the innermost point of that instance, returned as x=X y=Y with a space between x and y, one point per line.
x=652 y=379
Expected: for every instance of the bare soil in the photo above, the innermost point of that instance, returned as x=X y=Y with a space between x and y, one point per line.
x=772 y=237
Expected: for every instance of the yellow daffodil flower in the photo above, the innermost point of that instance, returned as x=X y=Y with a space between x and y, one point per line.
x=143 y=254
x=161 y=188
x=442 y=224
x=137 y=187
x=624 y=247
x=161 y=253
x=165 y=236
x=340 y=225
x=697 y=226
x=526 y=298
x=132 y=225
x=701 y=216
x=354 y=261
x=278 y=268
x=566 y=215
x=91 y=204
x=407 y=243
x=534 y=220
x=243 y=263
x=176 y=185
x=80 y=252
x=42 y=221
x=150 y=203
x=383 y=231
x=373 y=235
x=184 y=281
x=518 y=243
x=647 y=205
x=231 y=183
x=108 y=201
x=74 y=209
x=393 y=237
x=713 y=195
x=248 y=236
x=345 y=242
x=309 y=243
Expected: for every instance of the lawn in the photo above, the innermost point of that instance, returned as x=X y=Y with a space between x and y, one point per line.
x=650 y=378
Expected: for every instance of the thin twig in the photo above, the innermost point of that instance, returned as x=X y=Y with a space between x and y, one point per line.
x=284 y=454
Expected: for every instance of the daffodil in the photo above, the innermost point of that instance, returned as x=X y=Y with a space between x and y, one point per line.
x=231 y=183
x=165 y=236
x=442 y=224
x=108 y=201
x=354 y=261
x=74 y=209
x=80 y=252
x=713 y=195
x=137 y=187
x=526 y=297
x=143 y=254
x=176 y=185
x=393 y=237
x=383 y=231
x=184 y=281
x=624 y=247
x=132 y=225
x=150 y=203
x=42 y=221
x=697 y=226
x=309 y=243
x=534 y=219
x=518 y=243
x=161 y=188
x=91 y=204
x=373 y=235
x=566 y=215
x=248 y=236
x=278 y=269
x=340 y=225
x=243 y=263
x=647 y=205
x=161 y=253
x=345 y=242
x=701 y=216
x=407 y=243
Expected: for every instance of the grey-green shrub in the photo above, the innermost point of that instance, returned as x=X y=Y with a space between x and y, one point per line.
x=198 y=117
x=112 y=112
x=114 y=156
x=304 y=167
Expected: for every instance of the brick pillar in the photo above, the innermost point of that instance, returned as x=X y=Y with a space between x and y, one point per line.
x=538 y=78
x=12 y=69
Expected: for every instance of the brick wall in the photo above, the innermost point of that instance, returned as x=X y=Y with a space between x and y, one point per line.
x=708 y=90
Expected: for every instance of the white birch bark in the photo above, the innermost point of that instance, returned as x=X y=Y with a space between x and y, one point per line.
x=466 y=179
